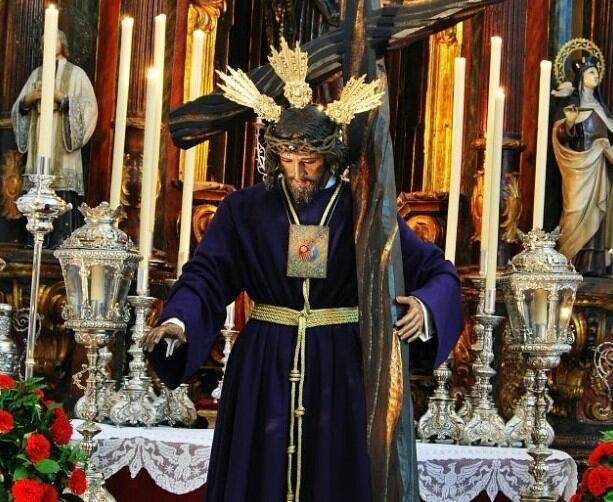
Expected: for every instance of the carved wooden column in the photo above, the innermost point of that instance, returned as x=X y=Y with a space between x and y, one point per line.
x=20 y=32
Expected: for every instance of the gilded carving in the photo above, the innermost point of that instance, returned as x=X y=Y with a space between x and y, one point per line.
x=201 y=219
x=11 y=184
x=476 y=205
x=511 y=199
x=208 y=12
x=426 y=227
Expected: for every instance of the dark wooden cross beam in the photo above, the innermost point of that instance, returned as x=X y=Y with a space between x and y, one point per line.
x=390 y=27
x=363 y=35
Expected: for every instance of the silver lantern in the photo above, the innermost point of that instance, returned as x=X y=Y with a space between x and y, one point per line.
x=540 y=287
x=98 y=262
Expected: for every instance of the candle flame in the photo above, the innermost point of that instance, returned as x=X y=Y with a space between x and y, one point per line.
x=152 y=74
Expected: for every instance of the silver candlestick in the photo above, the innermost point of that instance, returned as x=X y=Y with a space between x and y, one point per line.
x=228 y=335
x=106 y=395
x=441 y=420
x=133 y=405
x=179 y=407
x=98 y=262
x=485 y=426
x=41 y=206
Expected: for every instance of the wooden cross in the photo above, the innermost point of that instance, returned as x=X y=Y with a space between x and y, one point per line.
x=362 y=37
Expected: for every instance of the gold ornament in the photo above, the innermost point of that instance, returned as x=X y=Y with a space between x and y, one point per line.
x=241 y=89
x=574 y=45
x=291 y=66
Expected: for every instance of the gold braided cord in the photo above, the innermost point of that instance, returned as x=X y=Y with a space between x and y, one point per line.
x=356 y=97
x=291 y=66
x=572 y=46
x=238 y=87
x=316 y=317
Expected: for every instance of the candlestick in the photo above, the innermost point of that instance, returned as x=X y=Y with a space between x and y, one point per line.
x=145 y=235
x=456 y=159
x=494 y=84
x=158 y=62
x=492 y=247
x=195 y=83
x=541 y=146
x=48 y=83
x=121 y=109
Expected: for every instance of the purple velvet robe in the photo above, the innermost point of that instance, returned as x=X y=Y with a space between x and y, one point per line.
x=245 y=248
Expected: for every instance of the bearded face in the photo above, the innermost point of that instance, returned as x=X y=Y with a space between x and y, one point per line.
x=305 y=174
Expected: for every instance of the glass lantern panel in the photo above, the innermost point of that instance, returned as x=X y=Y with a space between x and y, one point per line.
x=538 y=313
x=565 y=307
x=102 y=290
x=74 y=293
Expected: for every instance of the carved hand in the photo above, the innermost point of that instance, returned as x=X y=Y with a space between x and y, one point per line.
x=170 y=331
x=571 y=113
x=411 y=324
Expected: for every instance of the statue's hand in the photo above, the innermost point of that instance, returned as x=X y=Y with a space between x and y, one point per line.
x=411 y=325
x=170 y=331
x=32 y=97
x=571 y=113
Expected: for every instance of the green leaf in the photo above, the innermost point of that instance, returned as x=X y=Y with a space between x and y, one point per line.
x=20 y=473
x=47 y=466
x=607 y=436
x=608 y=497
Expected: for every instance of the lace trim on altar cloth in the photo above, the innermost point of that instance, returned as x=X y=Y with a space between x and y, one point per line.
x=178 y=461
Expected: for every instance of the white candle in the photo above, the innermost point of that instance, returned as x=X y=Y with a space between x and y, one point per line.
x=48 y=83
x=229 y=316
x=541 y=146
x=492 y=247
x=158 y=62
x=121 y=109
x=494 y=84
x=195 y=83
x=456 y=158
x=145 y=236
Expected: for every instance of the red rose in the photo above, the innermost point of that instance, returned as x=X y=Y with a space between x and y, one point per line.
x=40 y=394
x=577 y=497
x=602 y=450
x=58 y=412
x=6 y=382
x=598 y=480
x=6 y=421
x=37 y=447
x=77 y=483
x=27 y=490
x=49 y=494
x=61 y=430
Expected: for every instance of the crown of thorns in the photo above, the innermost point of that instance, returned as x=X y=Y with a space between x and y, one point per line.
x=291 y=66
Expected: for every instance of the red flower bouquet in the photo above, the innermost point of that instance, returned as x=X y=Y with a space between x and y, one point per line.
x=597 y=481
x=36 y=462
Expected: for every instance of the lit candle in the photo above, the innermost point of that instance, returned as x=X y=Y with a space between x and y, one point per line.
x=494 y=84
x=158 y=62
x=540 y=301
x=195 y=82
x=121 y=109
x=229 y=324
x=456 y=159
x=541 y=146
x=48 y=84
x=145 y=236
x=492 y=247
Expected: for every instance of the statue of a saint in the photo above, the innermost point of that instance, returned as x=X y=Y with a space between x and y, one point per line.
x=582 y=147
x=74 y=120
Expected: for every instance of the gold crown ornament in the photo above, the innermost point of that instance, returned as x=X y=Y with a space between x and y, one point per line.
x=291 y=65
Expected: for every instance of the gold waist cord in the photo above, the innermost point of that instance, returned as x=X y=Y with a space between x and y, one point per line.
x=304 y=319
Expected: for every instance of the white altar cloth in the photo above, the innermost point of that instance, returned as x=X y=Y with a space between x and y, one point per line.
x=178 y=460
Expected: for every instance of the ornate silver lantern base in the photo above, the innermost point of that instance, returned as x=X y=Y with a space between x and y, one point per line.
x=485 y=426
x=179 y=407
x=441 y=420
x=133 y=404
